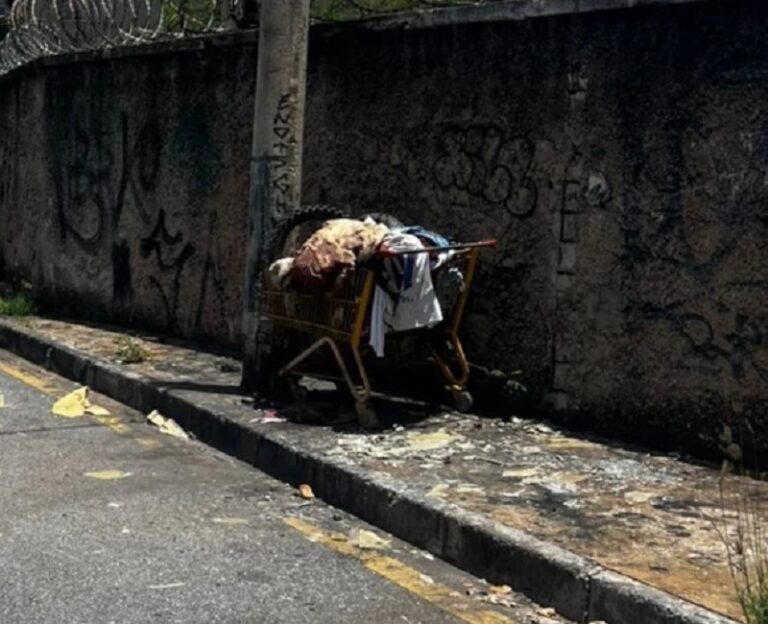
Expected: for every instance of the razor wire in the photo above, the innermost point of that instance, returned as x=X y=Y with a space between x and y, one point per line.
x=39 y=28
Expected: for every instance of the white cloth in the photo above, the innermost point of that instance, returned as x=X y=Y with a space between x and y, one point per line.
x=415 y=303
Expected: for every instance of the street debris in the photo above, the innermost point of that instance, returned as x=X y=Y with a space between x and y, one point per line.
x=167 y=586
x=520 y=473
x=500 y=590
x=305 y=491
x=266 y=417
x=499 y=595
x=108 y=475
x=77 y=404
x=368 y=540
x=638 y=498
x=433 y=445
x=430 y=441
x=230 y=521
x=441 y=489
x=548 y=612
x=167 y=426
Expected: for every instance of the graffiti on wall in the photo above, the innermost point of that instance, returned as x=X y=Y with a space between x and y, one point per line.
x=109 y=201
x=104 y=170
x=169 y=253
x=699 y=252
x=489 y=166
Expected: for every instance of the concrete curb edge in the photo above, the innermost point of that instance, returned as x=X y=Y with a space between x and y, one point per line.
x=576 y=587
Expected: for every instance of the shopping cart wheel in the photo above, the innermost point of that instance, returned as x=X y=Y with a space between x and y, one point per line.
x=366 y=416
x=462 y=399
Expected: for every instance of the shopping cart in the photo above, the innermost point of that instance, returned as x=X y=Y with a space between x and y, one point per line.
x=340 y=320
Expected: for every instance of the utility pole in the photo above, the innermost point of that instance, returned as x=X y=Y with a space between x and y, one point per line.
x=278 y=139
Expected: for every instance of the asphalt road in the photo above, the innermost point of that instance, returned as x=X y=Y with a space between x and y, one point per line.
x=107 y=520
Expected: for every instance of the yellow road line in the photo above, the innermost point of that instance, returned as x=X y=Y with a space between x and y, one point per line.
x=113 y=423
x=27 y=378
x=402 y=575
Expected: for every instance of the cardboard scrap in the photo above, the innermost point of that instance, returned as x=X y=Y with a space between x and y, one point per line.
x=167 y=426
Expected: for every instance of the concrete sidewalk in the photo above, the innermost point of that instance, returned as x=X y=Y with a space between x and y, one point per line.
x=596 y=531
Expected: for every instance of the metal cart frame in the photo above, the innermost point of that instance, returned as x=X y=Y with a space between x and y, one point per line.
x=341 y=318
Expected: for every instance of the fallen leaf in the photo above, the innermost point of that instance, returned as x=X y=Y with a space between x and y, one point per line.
x=547 y=612
x=638 y=498
x=426 y=579
x=367 y=540
x=72 y=405
x=230 y=521
x=519 y=473
x=431 y=441
x=108 y=475
x=167 y=426
x=77 y=404
x=502 y=590
x=306 y=491
x=439 y=490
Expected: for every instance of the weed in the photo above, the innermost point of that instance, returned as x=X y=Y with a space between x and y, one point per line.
x=129 y=351
x=743 y=530
x=19 y=304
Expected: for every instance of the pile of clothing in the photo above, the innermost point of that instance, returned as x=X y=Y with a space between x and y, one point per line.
x=405 y=296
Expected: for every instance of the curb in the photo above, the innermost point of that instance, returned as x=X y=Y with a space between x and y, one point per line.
x=577 y=588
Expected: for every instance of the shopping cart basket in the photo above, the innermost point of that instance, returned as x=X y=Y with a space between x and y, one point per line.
x=340 y=320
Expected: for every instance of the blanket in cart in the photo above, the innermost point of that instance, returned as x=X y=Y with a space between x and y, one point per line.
x=405 y=296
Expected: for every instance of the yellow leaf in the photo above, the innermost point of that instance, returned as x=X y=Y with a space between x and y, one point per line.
x=108 y=475
x=306 y=491
x=431 y=441
x=167 y=425
x=97 y=410
x=73 y=405
x=368 y=540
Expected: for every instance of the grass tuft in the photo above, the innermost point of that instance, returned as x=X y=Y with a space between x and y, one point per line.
x=744 y=532
x=19 y=305
x=129 y=351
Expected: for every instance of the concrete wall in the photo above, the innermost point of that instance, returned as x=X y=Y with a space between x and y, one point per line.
x=619 y=157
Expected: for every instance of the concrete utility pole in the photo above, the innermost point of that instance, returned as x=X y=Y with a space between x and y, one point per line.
x=278 y=138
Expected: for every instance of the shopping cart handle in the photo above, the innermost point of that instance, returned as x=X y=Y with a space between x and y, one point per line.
x=389 y=253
